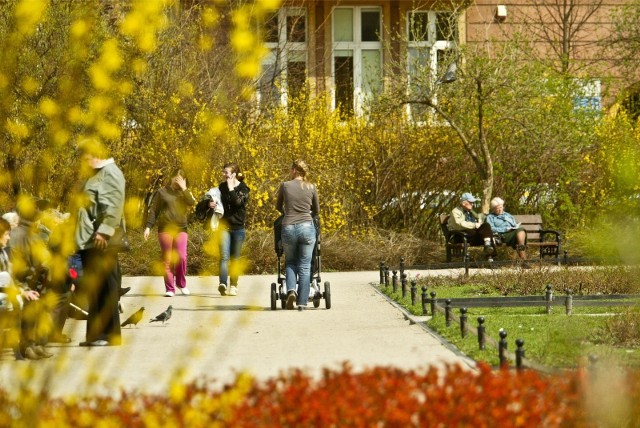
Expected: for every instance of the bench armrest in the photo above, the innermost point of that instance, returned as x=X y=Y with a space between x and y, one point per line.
x=544 y=232
x=457 y=234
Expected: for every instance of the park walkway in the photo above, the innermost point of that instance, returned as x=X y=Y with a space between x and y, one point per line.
x=211 y=338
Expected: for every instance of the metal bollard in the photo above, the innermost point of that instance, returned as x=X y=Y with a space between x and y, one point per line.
x=502 y=349
x=401 y=266
x=549 y=297
x=568 y=302
x=447 y=312
x=403 y=283
x=482 y=341
x=414 y=293
x=386 y=276
x=381 y=273
x=463 y=322
x=424 y=300
x=394 y=280
x=519 y=353
x=433 y=303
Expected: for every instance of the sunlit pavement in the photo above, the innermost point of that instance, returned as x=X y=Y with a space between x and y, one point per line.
x=210 y=338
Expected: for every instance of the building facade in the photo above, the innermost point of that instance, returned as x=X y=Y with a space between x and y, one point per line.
x=350 y=48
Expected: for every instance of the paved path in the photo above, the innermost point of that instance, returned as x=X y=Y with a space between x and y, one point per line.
x=213 y=337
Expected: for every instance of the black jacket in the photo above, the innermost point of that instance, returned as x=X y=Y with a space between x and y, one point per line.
x=235 y=205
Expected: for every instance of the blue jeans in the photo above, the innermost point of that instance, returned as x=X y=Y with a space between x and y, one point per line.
x=298 y=241
x=230 y=249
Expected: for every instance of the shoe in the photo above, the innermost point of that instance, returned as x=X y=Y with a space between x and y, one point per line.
x=18 y=355
x=302 y=308
x=184 y=291
x=233 y=290
x=488 y=249
x=30 y=354
x=59 y=338
x=169 y=294
x=222 y=288
x=124 y=290
x=291 y=298
x=41 y=352
x=99 y=342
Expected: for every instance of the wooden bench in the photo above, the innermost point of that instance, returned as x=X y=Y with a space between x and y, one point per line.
x=547 y=242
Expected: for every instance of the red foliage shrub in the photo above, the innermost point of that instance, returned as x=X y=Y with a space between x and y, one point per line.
x=383 y=397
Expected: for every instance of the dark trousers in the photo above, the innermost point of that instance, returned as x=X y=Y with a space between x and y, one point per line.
x=477 y=236
x=101 y=283
x=60 y=310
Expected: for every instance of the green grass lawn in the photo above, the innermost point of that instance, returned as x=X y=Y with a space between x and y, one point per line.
x=554 y=340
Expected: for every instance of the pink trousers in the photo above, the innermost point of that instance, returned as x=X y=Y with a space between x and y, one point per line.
x=174 y=258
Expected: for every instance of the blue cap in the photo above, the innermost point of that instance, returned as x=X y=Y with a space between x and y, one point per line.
x=467 y=197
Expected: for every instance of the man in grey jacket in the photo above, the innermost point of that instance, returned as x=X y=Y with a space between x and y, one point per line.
x=99 y=234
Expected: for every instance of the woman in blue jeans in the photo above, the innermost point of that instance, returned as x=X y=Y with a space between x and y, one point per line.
x=235 y=195
x=298 y=201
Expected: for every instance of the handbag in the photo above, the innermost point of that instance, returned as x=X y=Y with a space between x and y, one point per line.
x=119 y=241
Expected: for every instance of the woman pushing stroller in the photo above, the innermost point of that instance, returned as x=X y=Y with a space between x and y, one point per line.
x=298 y=201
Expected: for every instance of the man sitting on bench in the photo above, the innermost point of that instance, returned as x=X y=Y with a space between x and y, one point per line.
x=505 y=226
x=464 y=219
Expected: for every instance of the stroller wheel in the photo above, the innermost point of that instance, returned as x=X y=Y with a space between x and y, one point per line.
x=327 y=295
x=316 y=300
x=274 y=297
x=283 y=298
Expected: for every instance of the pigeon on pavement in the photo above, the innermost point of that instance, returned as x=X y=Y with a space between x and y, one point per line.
x=134 y=319
x=163 y=316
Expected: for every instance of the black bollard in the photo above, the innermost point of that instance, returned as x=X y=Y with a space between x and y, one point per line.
x=463 y=322
x=482 y=341
x=424 y=300
x=568 y=302
x=403 y=284
x=447 y=312
x=566 y=257
x=414 y=293
x=386 y=276
x=394 y=280
x=519 y=353
x=548 y=296
x=381 y=273
x=401 y=266
x=593 y=366
x=433 y=303
x=502 y=349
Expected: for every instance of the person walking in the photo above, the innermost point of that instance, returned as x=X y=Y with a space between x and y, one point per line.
x=298 y=201
x=169 y=210
x=100 y=235
x=235 y=195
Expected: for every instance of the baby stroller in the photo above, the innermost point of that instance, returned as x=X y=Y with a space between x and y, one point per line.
x=279 y=290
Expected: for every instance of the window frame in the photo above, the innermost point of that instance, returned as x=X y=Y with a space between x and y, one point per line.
x=432 y=44
x=281 y=52
x=357 y=47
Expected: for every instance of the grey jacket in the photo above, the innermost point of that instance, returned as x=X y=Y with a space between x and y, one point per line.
x=103 y=205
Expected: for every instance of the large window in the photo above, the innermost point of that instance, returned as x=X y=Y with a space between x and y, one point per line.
x=284 y=69
x=357 y=58
x=431 y=36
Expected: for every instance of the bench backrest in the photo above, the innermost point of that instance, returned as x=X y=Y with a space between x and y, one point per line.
x=531 y=223
x=444 y=219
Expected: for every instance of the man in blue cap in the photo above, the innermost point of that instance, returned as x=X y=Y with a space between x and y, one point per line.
x=464 y=219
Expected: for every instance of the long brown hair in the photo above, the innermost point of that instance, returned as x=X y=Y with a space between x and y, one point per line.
x=235 y=169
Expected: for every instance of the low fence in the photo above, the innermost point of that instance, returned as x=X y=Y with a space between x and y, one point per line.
x=432 y=305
